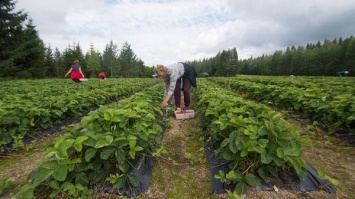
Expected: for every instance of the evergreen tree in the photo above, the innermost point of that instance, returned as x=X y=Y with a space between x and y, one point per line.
x=297 y=61
x=58 y=63
x=11 y=30
x=49 y=62
x=93 y=62
x=29 y=56
x=110 y=63
x=276 y=62
x=128 y=61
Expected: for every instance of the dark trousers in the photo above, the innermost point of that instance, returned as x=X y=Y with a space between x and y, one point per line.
x=185 y=89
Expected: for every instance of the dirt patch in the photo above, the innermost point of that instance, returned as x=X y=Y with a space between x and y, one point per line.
x=332 y=157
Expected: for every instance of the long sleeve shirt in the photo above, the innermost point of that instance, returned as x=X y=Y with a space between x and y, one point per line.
x=175 y=71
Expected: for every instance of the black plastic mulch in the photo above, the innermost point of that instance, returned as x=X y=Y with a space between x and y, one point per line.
x=286 y=181
x=142 y=167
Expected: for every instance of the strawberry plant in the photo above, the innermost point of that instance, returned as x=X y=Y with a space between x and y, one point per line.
x=256 y=141
x=101 y=150
x=38 y=105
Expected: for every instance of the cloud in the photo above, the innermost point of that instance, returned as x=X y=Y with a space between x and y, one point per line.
x=167 y=31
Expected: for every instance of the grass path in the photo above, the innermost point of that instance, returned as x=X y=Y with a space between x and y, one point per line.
x=183 y=171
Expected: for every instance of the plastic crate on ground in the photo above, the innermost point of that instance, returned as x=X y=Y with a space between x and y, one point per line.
x=184 y=114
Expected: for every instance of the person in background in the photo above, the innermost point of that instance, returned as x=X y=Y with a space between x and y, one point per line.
x=75 y=72
x=177 y=76
x=102 y=76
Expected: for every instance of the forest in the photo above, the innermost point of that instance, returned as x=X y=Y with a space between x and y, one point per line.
x=23 y=54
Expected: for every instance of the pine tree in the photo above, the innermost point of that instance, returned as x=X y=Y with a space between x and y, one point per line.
x=93 y=62
x=128 y=61
x=32 y=54
x=110 y=63
x=11 y=30
x=49 y=62
x=59 y=66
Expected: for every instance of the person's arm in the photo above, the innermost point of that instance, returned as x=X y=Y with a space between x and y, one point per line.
x=169 y=89
x=164 y=104
x=69 y=71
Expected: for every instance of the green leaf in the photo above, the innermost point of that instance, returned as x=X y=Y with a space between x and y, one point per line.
x=26 y=191
x=273 y=170
x=133 y=179
x=138 y=148
x=78 y=142
x=54 y=184
x=231 y=175
x=265 y=158
x=263 y=131
x=124 y=167
x=263 y=173
x=252 y=180
x=50 y=165
x=132 y=153
x=232 y=145
x=143 y=137
x=104 y=142
x=121 y=181
x=227 y=155
x=60 y=173
x=63 y=146
x=112 y=115
x=107 y=152
x=89 y=154
x=42 y=175
x=280 y=153
x=263 y=142
x=54 y=193
x=120 y=155
x=225 y=142
x=132 y=141
x=241 y=187
x=244 y=153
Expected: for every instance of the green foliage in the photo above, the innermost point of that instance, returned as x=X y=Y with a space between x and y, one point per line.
x=110 y=137
x=329 y=101
x=254 y=139
x=5 y=184
x=11 y=37
x=36 y=104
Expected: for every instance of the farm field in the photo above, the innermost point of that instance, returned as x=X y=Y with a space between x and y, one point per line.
x=182 y=170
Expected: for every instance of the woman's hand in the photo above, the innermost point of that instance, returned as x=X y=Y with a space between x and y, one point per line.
x=164 y=104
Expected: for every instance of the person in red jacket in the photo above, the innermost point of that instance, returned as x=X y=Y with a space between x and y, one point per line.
x=75 y=72
x=102 y=76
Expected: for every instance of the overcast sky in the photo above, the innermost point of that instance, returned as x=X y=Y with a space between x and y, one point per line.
x=168 y=31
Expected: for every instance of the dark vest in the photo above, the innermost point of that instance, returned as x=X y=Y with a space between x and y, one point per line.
x=190 y=74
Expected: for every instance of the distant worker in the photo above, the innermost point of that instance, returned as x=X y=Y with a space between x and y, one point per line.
x=342 y=73
x=102 y=76
x=75 y=72
x=178 y=77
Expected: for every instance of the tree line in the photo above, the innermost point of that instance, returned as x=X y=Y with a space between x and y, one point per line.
x=320 y=59
x=24 y=55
